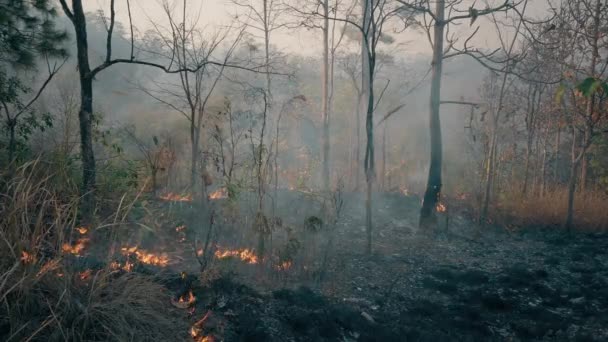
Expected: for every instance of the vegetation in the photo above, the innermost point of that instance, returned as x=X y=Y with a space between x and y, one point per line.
x=482 y=127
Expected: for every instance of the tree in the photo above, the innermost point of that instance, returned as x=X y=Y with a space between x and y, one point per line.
x=28 y=31
x=12 y=91
x=437 y=19
x=87 y=74
x=185 y=45
x=372 y=31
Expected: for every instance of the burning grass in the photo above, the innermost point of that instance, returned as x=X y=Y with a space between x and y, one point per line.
x=245 y=254
x=47 y=295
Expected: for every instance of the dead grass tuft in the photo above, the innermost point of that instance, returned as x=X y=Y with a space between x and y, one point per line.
x=46 y=296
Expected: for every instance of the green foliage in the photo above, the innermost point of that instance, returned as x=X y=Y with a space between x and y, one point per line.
x=27 y=30
x=592 y=85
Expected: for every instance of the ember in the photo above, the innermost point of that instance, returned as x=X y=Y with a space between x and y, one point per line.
x=284 y=266
x=176 y=197
x=145 y=257
x=440 y=207
x=82 y=230
x=245 y=255
x=85 y=274
x=218 y=194
x=27 y=258
x=77 y=248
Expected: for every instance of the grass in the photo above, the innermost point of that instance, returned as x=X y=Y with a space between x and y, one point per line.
x=590 y=212
x=46 y=296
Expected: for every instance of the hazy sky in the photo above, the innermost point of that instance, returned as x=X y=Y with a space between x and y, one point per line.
x=215 y=13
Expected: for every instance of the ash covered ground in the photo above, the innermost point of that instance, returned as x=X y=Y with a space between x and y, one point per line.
x=501 y=285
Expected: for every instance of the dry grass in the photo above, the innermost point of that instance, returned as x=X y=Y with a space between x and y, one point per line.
x=45 y=296
x=590 y=210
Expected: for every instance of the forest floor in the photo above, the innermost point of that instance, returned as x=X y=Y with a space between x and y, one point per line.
x=503 y=285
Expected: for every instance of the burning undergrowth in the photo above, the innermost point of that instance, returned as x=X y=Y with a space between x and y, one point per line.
x=52 y=291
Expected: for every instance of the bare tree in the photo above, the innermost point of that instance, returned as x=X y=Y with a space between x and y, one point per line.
x=76 y=15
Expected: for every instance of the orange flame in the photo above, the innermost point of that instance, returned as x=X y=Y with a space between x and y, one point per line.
x=145 y=257
x=85 y=274
x=441 y=207
x=218 y=194
x=190 y=299
x=245 y=255
x=77 y=248
x=82 y=230
x=284 y=266
x=27 y=258
x=176 y=197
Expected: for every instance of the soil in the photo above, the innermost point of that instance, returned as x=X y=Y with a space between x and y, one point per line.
x=500 y=285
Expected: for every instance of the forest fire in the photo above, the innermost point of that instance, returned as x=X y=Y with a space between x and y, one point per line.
x=77 y=248
x=27 y=258
x=185 y=301
x=173 y=197
x=84 y=275
x=245 y=255
x=219 y=194
x=197 y=329
x=145 y=257
x=284 y=266
x=82 y=230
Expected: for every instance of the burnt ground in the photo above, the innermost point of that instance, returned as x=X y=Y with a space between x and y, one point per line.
x=503 y=285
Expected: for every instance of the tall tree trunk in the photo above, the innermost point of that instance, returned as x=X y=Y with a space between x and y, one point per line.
x=358 y=146
x=524 y=189
x=193 y=156
x=489 y=180
x=325 y=95
x=428 y=217
x=543 y=168
x=369 y=164
x=87 y=204
x=383 y=179
x=556 y=152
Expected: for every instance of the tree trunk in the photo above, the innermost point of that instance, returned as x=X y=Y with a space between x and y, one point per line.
x=154 y=181
x=489 y=180
x=556 y=152
x=383 y=179
x=368 y=217
x=325 y=96
x=571 y=190
x=428 y=217
x=358 y=146
x=87 y=204
x=524 y=189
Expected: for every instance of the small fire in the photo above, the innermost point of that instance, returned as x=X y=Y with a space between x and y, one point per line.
x=127 y=267
x=145 y=257
x=441 y=207
x=180 y=228
x=27 y=258
x=176 y=197
x=284 y=266
x=82 y=230
x=85 y=274
x=190 y=299
x=405 y=191
x=218 y=194
x=245 y=255
x=184 y=301
x=197 y=329
x=77 y=248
